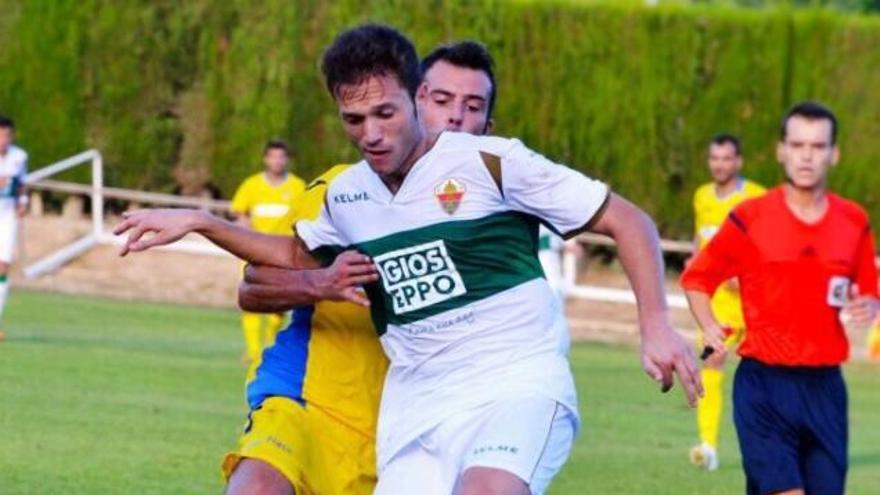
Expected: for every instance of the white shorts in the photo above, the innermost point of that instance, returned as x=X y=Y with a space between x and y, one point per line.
x=8 y=231
x=529 y=437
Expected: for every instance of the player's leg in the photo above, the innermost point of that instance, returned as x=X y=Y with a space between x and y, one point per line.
x=8 y=233
x=710 y=409
x=767 y=423
x=520 y=447
x=825 y=457
x=872 y=342
x=256 y=476
x=415 y=469
x=252 y=326
x=274 y=452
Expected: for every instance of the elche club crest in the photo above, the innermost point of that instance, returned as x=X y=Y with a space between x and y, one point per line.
x=449 y=194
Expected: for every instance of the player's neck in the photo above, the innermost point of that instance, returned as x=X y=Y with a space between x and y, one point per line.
x=424 y=144
x=275 y=179
x=724 y=189
x=809 y=205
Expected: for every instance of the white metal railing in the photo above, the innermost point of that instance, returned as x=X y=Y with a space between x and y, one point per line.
x=97 y=192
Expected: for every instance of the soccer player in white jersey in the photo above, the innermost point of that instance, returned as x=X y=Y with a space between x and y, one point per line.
x=13 y=201
x=479 y=397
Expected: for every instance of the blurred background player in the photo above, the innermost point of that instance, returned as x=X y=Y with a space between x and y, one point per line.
x=265 y=202
x=316 y=391
x=713 y=201
x=804 y=258
x=13 y=202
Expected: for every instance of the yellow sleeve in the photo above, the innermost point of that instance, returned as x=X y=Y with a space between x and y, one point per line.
x=310 y=202
x=699 y=208
x=753 y=189
x=243 y=198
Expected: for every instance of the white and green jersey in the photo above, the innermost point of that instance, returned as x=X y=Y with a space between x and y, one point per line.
x=462 y=307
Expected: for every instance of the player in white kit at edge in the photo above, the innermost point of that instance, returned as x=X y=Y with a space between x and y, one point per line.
x=13 y=202
x=479 y=397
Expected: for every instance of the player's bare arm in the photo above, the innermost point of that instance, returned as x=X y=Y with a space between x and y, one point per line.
x=664 y=351
x=701 y=306
x=151 y=228
x=268 y=289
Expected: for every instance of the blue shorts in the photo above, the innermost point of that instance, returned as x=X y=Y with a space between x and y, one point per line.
x=792 y=427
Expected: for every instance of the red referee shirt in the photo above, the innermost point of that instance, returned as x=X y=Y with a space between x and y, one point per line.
x=793 y=276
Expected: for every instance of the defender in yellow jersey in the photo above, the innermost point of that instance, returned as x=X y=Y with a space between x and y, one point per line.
x=315 y=398
x=712 y=203
x=264 y=202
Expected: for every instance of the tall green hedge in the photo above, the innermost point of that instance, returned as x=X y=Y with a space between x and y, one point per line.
x=182 y=93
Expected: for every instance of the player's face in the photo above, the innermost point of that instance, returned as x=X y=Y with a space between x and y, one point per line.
x=724 y=162
x=807 y=152
x=455 y=99
x=6 y=135
x=275 y=161
x=380 y=120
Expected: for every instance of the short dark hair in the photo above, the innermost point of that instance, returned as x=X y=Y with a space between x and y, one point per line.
x=810 y=110
x=276 y=144
x=469 y=54
x=370 y=50
x=725 y=138
x=6 y=122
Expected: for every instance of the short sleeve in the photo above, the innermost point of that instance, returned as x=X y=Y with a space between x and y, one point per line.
x=866 y=269
x=320 y=236
x=241 y=200
x=719 y=260
x=566 y=200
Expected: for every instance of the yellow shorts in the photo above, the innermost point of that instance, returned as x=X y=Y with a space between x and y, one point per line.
x=317 y=453
x=728 y=311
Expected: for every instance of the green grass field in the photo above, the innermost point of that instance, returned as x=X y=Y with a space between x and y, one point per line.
x=100 y=397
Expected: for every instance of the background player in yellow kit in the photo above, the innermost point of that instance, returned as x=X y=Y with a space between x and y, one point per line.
x=712 y=203
x=315 y=398
x=264 y=202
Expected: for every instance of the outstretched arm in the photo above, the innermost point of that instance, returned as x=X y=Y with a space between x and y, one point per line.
x=664 y=351
x=158 y=227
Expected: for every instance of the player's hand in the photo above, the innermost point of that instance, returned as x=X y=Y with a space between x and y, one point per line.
x=21 y=210
x=666 y=354
x=165 y=225
x=342 y=281
x=859 y=311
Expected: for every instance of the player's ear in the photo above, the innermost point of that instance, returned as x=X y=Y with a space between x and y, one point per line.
x=780 y=150
x=835 y=155
x=490 y=126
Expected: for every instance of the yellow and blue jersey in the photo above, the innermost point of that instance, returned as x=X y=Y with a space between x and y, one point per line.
x=710 y=211
x=268 y=206
x=329 y=356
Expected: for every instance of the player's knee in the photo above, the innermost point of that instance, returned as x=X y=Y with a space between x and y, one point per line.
x=255 y=476
x=491 y=481
x=4 y=268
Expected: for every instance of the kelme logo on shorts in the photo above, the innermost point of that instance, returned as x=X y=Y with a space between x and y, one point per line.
x=419 y=276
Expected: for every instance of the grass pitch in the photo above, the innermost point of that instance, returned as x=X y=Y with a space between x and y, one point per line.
x=101 y=397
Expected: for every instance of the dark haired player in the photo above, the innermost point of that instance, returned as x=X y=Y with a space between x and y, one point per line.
x=479 y=396
x=13 y=201
x=804 y=259
x=712 y=203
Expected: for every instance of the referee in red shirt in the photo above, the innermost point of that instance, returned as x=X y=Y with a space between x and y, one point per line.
x=804 y=258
